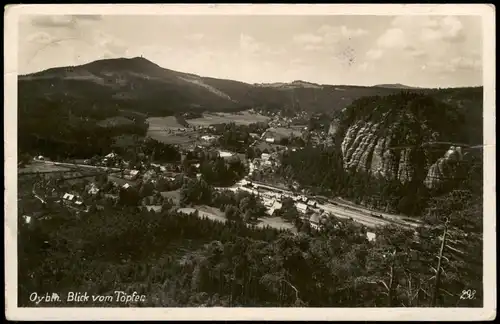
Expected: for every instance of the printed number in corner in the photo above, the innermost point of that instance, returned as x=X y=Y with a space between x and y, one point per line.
x=468 y=294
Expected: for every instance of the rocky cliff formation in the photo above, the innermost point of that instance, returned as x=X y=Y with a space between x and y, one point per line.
x=405 y=137
x=444 y=168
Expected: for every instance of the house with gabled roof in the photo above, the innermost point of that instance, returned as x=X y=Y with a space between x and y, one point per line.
x=132 y=174
x=276 y=205
x=301 y=207
x=68 y=197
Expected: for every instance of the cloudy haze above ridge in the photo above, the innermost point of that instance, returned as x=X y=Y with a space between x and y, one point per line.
x=426 y=51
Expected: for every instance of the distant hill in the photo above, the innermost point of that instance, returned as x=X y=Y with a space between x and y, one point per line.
x=394 y=86
x=142 y=86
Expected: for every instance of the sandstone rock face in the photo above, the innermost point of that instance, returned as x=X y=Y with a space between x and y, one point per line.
x=404 y=137
x=333 y=128
x=364 y=148
x=405 y=167
x=444 y=168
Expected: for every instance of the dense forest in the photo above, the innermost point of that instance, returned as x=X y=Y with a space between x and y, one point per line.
x=178 y=260
x=67 y=129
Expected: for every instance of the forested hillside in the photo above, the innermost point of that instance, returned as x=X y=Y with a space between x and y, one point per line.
x=142 y=86
x=178 y=260
x=393 y=153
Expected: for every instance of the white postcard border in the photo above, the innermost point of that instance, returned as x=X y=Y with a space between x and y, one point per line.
x=488 y=312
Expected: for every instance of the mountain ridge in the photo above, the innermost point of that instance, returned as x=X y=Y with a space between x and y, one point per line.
x=300 y=81
x=396 y=86
x=143 y=86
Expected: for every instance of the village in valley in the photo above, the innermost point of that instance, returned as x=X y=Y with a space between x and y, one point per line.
x=81 y=186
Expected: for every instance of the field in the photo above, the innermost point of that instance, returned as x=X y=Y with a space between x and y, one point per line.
x=155 y=208
x=169 y=131
x=175 y=195
x=157 y=124
x=276 y=222
x=205 y=211
x=243 y=118
x=162 y=123
x=174 y=139
x=217 y=215
x=41 y=167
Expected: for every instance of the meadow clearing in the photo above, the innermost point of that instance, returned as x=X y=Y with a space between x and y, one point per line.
x=163 y=123
x=276 y=222
x=168 y=130
x=174 y=138
x=217 y=215
x=205 y=211
x=42 y=167
x=175 y=195
x=242 y=118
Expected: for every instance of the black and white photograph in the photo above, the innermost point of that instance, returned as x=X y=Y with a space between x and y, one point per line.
x=293 y=162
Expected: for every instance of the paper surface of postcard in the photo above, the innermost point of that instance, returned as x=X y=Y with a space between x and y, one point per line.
x=279 y=162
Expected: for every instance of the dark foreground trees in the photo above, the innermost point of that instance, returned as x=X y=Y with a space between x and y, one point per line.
x=182 y=260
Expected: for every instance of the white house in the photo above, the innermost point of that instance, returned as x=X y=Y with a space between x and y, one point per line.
x=132 y=174
x=371 y=236
x=68 y=196
x=225 y=154
x=275 y=206
x=110 y=155
x=315 y=221
x=301 y=207
x=27 y=219
x=208 y=138
x=270 y=139
x=268 y=202
x=126 y=186
x=265 y=156
x=311 y=203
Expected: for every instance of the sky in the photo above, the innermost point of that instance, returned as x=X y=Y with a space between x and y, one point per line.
x=424 y=51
